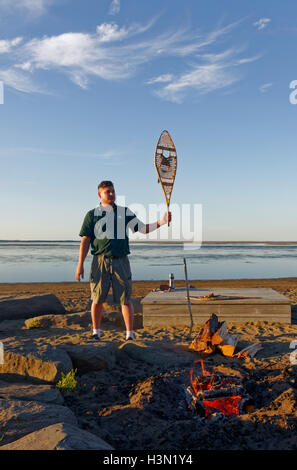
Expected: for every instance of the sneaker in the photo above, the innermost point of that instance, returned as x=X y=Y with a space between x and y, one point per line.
x=129 y=338
x=95 y=337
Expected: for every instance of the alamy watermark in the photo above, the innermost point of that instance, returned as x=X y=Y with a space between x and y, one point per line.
x=185 y=226
x=293 y=355
x=1 y=353
x=293 y=94
x=1 y=92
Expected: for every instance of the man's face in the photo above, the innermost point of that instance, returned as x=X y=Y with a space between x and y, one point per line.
x=107 y=195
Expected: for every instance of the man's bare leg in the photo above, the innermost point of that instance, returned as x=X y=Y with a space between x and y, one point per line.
x=96 y=314
x=128 y=314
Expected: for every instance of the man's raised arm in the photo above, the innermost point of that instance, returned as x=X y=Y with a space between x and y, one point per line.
x=147 y=228
x=83 y=251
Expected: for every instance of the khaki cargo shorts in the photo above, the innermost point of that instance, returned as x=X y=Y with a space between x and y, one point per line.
x=109 y=271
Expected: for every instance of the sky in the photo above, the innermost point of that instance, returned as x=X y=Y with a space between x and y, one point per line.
x=88 y=86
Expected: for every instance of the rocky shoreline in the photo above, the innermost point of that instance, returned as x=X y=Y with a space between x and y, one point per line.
x=130 y=395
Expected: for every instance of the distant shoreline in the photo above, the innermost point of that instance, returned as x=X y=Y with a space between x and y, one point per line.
x=168 y=242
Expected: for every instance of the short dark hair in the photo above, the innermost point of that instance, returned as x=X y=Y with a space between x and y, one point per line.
x=105 y=184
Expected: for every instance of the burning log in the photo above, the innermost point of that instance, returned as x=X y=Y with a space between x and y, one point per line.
x=220 y=335
x=203 y=342
x=214 y=336
x=217 y=393
x=249 y=351
x=228 y=346
x=214 y=393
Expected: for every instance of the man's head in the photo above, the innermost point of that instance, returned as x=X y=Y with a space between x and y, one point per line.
x=106 y=192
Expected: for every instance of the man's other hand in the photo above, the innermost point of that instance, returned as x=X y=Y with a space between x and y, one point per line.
x=79 y=273
x=166 y=218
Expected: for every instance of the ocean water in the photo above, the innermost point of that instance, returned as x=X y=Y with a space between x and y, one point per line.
x=56 y=261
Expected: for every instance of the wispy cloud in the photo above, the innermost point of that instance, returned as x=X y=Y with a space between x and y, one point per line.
x=19 y=81
x=263 y=88
x=248 y=60
x=218 y=71
x=113 y=52
x=262 y=23
x=34 y=7
x=6 y=45
x=202 y=79
x=161 y=79
x=115 y=7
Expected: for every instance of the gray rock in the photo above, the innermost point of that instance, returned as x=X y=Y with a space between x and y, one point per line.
x=81 y=320
x=91 y=357
x=15 y=307
x=59 y=436
x=29 y=392
x=43 y=364
x=12 y=325
x=19 y=417
x=114 y=317
x=109 y=304
x=155 y=355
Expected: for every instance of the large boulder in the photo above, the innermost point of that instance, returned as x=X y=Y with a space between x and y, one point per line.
x=91 y=357
x=19 y=417
x=30 y=392
x=73 y=320
x=15 y=307
x=42 y=364
x=110 y=305
x=156 y=355
x=59 y=436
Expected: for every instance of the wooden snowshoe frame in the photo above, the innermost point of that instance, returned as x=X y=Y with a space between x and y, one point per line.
x=166 y=164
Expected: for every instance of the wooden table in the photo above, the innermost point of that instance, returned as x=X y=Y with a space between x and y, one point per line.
x=163 y=308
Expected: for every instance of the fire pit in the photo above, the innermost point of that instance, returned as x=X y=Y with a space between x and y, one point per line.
x=212 y=393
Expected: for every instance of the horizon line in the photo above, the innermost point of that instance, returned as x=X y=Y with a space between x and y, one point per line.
x=131 y=241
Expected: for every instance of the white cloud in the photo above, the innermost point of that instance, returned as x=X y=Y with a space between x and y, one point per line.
x=248 y=60
x=19 y=81
x=35 y=7
x=108 y=32
x=218 y=71
x=112 y=53
x=263 y=88
x=160 y=79
x=262 y=23
x=203 y=79
x=6 y=45
x=115 y=7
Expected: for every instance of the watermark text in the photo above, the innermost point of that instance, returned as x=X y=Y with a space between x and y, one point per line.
x=1 y=353
x=185 y=225
x=293 y=355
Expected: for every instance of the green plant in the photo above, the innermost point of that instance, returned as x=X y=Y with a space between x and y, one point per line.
x=67 y=382
x=35 y=323
x=2 y=437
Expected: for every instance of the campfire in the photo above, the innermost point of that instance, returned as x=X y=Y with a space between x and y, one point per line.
x=214 y=337
x=214 y=393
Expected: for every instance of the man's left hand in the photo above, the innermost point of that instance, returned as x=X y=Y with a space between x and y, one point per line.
x=166 y=218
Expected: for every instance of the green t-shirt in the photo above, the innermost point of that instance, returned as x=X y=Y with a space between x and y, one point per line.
x=108 y=230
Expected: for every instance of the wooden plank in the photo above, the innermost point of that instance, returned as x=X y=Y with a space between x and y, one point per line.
x=172 y=318
x=179 y=297
x=165 y=321
x=170 y=308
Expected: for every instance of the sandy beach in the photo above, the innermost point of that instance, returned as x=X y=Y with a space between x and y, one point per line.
x=129 y=407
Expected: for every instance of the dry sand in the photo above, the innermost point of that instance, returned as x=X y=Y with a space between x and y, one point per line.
x=131 y=407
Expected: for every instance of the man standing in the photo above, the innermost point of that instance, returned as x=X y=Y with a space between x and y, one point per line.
x=105 y=229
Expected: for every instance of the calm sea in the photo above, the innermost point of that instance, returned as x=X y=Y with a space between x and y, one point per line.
x=50 y=261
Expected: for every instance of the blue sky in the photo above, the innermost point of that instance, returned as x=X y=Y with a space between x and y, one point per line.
x=89 y=86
